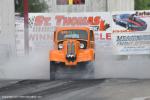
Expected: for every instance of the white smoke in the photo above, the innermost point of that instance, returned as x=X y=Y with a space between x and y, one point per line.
x=108 y=65
x=34 y=66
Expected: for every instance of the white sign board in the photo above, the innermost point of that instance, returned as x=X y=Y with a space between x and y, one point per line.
x=131 y=43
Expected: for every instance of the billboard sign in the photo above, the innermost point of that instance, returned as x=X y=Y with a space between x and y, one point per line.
x=42 y=26
x=131 y=43
x=131 y=21
x=107 y=26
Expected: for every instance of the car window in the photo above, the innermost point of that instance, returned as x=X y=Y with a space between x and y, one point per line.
x=124 y=16
x=72 y=34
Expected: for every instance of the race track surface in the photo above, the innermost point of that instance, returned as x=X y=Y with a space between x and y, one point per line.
x=101 y=89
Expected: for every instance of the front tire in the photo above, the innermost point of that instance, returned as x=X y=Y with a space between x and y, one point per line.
x=52 y=71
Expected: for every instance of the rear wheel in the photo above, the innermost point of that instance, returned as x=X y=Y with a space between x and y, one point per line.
x=128 y=26
x=88 y=69
x=53 y=68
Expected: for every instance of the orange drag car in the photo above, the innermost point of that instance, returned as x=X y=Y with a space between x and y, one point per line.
x=72 y=45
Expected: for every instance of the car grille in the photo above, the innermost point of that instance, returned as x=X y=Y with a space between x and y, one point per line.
x=71 y=55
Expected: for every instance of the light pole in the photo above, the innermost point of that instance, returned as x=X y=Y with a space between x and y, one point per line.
x=26 y=30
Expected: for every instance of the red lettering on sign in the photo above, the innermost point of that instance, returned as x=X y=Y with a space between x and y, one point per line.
x=72 y=21
x=106 y=36
x=90 y=20
x=94 y=20
x=41 y=20
x=115 y=31
x=59 y=20
x=84 y=21
x=47 y=21
x=66 y=21
x=102 y=37
x=38 y=20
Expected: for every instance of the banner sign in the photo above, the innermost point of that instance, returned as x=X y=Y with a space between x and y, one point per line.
x=106 y=25
x=131 y=43
x=97 y=21
x=131 y=21
x=131 y=32
x=42 y=26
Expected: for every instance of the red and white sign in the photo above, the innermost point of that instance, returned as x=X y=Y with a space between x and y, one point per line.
x=42 y=26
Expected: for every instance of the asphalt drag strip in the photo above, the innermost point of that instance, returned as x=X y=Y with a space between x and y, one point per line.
x=69 y=86
x=100 y=89
x=38 y=90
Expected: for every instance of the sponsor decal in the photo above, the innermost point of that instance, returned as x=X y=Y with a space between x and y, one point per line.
x=131 y=43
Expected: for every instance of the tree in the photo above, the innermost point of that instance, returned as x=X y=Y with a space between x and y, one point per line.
x=34 y=6
x=142 y=4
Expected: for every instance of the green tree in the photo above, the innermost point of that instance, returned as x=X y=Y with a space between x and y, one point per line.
x=142 y=4
x=34 y=6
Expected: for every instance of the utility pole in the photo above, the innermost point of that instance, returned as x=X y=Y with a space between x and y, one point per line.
x=26 y=30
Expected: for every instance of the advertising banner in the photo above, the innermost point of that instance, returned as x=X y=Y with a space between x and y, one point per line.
x=130 y=32
x=131 y=43
x=42 y=26
x=98 y=21
x=106 y=25
x=131 y=21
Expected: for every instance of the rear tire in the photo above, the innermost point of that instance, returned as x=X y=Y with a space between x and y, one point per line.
x=88 y=69
x=52 y=70
x=128 y=27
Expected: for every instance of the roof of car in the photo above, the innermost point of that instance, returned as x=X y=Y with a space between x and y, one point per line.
x=68 y=28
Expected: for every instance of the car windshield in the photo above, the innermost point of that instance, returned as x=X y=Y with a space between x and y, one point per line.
x=124 y=16
x=72 y=34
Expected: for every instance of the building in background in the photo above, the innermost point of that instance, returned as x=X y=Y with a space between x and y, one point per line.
x=120 y=5
x=89 y=5
x=70 y=2
x=7 y=29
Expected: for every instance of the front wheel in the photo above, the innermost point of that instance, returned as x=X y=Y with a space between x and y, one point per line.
x=52 y=70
